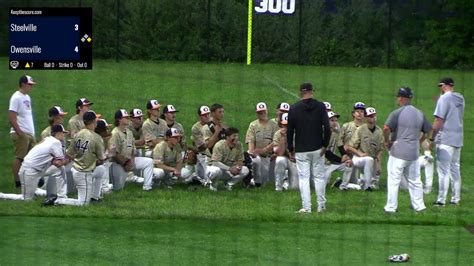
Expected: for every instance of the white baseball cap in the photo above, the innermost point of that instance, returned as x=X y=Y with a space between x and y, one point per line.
x=370 y=111
x=284 y=119
x=173 y=132
x=121 y=113
x=261 y=106
x=204 y=110
x=153 y=105
x=328 y=106
x=27 y=80
x=284 y=107
x=136 y=112
x=331 y=114
x=169 y=109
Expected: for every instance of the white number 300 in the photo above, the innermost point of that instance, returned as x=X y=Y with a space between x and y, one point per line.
x=276 y=6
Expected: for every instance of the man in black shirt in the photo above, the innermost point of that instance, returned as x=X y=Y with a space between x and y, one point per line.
x=308 y=136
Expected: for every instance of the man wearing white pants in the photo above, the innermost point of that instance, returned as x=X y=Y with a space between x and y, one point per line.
x=168 y=160
x=282 y=161
x=448 y=136
x=308 y=136
x=259 y=138
x=200 y=145
x=87 y=150
x=227 y=161
x=44 y=159
x=122 y=151
x=367 y=145
x=405 y=124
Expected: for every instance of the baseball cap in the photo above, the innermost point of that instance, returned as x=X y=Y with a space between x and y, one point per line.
x=359 y=105
x=102 y=124
x=328 y=106
x=306 y=87
x=284 y=107
x=284 y=119
x=446 y=81
x=261 y=106
x=370 y=111
x=169 y=109
x=90 y=115
x=121 y=113
x=136 y=112
x=58 y=128
x=55 y=111
x=153 y=105
x=331 y=114
x=82 y=102
x=405 y=92
x=204 y=110
x=27 y=80
x=173 y=132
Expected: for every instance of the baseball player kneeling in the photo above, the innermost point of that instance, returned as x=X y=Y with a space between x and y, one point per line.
x=168 y=160
x=44 y=159
x=227 y=160
x=87 y=150
x=282 y=161
x=122 y=151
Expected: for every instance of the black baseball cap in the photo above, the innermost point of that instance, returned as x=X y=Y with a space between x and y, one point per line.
x=82 y=102
x=306 y=87
x=27 y=80
x=405 y=92
x=58 y=128
x=55 y=111
x=153 y=104
x=446 y=81
x=121 y=113
x=90 y=115
x=359 y=105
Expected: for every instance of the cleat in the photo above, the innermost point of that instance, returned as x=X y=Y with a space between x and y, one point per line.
x=399 y=258
x=49 y=202
x=337 y=183
x=95 y=201
x=212 y=188
x=303 y=210
x=453 y=203
x=321 y=209
x=438 y=204
x=228 y=187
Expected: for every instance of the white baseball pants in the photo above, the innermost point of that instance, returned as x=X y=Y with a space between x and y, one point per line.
x=159 y=173
x=426 y=162
x=119 y=175
x=88 y=186
x=448 y=166
x=346 y=173
x=282 y=163
x=201 y=166
x=263 y=169
x=398 y=169
x=367 y=165
x=215 y=174
x=310 y=166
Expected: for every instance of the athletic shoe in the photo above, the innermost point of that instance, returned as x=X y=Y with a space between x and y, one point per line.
x=228 y=187
x=454 y=203
x=369 y=189
x=49 y=202
x=399 y=258
x=147 y=188
x=337 y=182
x=303 y=210
x=278 y=189
x=390 y=212
x=252 y=182
x=212 y=188
x=438 y=204
x=321 y=209
x=95 y=201
x=285 y=184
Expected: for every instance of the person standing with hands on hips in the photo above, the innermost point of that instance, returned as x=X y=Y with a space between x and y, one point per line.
x=448 y=136
x=308 y=123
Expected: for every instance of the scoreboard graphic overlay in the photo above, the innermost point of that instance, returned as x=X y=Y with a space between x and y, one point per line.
x=50 y=38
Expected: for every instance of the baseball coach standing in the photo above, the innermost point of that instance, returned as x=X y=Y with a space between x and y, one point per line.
x=307 y=137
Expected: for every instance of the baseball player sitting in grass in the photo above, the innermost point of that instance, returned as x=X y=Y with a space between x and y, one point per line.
x=259 y=139
x=281 y=109
x=200 y=146
x=87 y=151
x=169 y=115
x=168 y=160
x=154 y=128
x=367 y=145
x=136 y=126
x=102 y=129
x=334 y=162
x=227 y=161
x=214 y=130
x=44 y=159
x=122 y=151
x=282 y=161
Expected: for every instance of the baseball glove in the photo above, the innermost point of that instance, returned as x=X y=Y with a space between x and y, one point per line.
x=190 y=157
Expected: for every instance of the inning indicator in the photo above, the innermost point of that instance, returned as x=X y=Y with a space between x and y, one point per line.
x=50 y=38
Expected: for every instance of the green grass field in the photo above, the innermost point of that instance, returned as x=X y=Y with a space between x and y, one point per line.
x=258 y=226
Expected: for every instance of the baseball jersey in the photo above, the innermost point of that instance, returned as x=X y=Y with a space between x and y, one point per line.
x=166 y=155
x=86 y=147
x=42 y=154
x=279 y=140
x=45 y=133
x=335 y=141
x=367 y=141
x=180 y=128
x=122 y=143
x=136 y=132
x=346 y=131
x=75 y=123
x=406 y=123
x=21 y=104
x=197 y=136
x=450 y=108
x=154 y=129
x=261 y=135
x=224 y=154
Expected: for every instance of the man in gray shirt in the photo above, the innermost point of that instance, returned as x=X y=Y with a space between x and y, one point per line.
x=405 y=126
x=448 y=136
